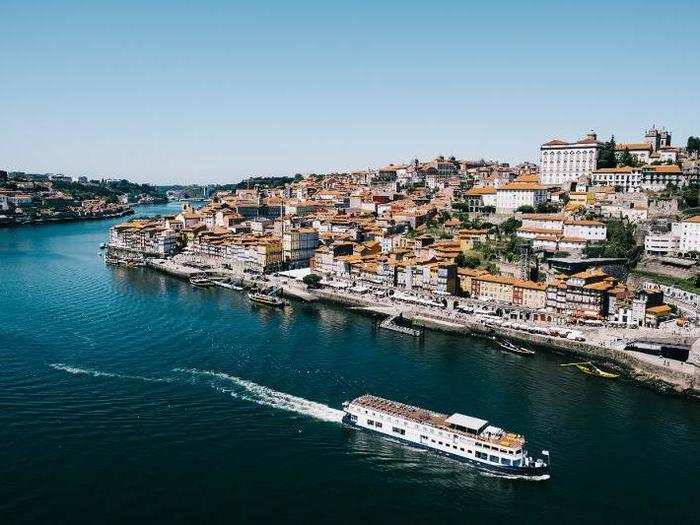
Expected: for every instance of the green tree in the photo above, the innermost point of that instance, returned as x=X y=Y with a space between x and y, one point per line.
x=509 y=226
x=466 y=261
x=693 y=145
x=547 y=207
x=312 y=280
x=525 y=208
x=606 y=154
x=627 y=159
x=691 y=195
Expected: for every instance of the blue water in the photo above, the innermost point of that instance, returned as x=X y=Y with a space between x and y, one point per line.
x=127 y=395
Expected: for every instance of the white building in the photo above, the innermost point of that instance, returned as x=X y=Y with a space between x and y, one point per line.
x=587 y=230
x=661 y=243
x=625 y=179
x=683 y=239
x=689 y=235
x=513 y=195
x=562 y=162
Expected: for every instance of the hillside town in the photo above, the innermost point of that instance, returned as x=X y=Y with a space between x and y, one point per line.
x=36 y=198
x=597 y=234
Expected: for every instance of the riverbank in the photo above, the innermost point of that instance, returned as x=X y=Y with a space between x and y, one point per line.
x=68 y=218
x=662 y=375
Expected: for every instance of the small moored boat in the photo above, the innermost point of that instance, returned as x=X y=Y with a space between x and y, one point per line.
x=511 y=347
x=201 y=280
x=589 y=368
x=267 y=299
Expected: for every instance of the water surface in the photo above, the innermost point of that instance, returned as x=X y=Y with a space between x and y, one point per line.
x=127 y=395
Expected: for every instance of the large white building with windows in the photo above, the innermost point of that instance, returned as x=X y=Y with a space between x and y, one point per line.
x=562 y=162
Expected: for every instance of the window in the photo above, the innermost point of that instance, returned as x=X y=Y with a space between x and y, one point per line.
x=399 y=430
x=353 y=418
x=370 y=422
x=378 y=424
x=439 y=442
x=481 y=455
x=493 y=458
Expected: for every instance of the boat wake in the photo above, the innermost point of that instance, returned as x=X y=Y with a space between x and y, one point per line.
x=262 y=395
x=543 y=477
x=99 y=373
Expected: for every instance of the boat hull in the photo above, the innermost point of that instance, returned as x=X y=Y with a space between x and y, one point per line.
x=530 y=472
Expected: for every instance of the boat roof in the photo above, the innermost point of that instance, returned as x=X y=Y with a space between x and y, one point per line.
x=470 y=423
x=480 y=427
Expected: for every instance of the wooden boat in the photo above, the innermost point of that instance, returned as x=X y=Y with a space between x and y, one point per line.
x=200 y=280
x=510 y=347
x=267 y=299
x=589 y=368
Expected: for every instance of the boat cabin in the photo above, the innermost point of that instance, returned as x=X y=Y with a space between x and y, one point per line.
x=466 y=424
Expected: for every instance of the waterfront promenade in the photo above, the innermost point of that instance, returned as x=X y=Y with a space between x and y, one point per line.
x=604 y=344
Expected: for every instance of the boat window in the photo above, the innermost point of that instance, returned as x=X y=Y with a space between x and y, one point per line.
x=505 y=461
x=517 y=462
x=370 y=422
x=493 y=458
x=460 y=448
x=439 y=442
x=481 y=455
x=399 y=430
x=353 y=418
x=378 y=424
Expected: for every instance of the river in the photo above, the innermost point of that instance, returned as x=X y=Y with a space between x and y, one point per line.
x=127 y=395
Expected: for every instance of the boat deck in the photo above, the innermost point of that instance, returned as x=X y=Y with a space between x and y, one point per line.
x=434 y=419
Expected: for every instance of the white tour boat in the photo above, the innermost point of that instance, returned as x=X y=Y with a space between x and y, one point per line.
x=461 y=437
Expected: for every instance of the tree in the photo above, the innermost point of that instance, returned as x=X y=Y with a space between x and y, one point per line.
x=466 y=261
x=509 y=226
x=693 y=145
x=488 y=209
x=547 y=207
x=312 y=280
x=606 y=154
x=627 y=159
x=525 y=208
x=691 y=195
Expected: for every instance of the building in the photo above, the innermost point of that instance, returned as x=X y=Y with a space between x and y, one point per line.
x=147 y=237
x=624 y=179
x=562 y=162
x=513 y=195
x=299 y=246
x=683 y=239
x=689 y=235
x=480 y=199
x=582 y=295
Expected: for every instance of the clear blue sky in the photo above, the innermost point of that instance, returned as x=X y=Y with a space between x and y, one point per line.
x=209 y=91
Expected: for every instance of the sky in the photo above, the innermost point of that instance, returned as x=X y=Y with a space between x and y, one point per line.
x=216 y=91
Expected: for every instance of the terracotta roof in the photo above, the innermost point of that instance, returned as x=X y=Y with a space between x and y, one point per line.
x=664 y=168
x=482 y=191
x=657 y=310
x=544 y=217
x=623 y=169
x=522 y=186
x=633 y=146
